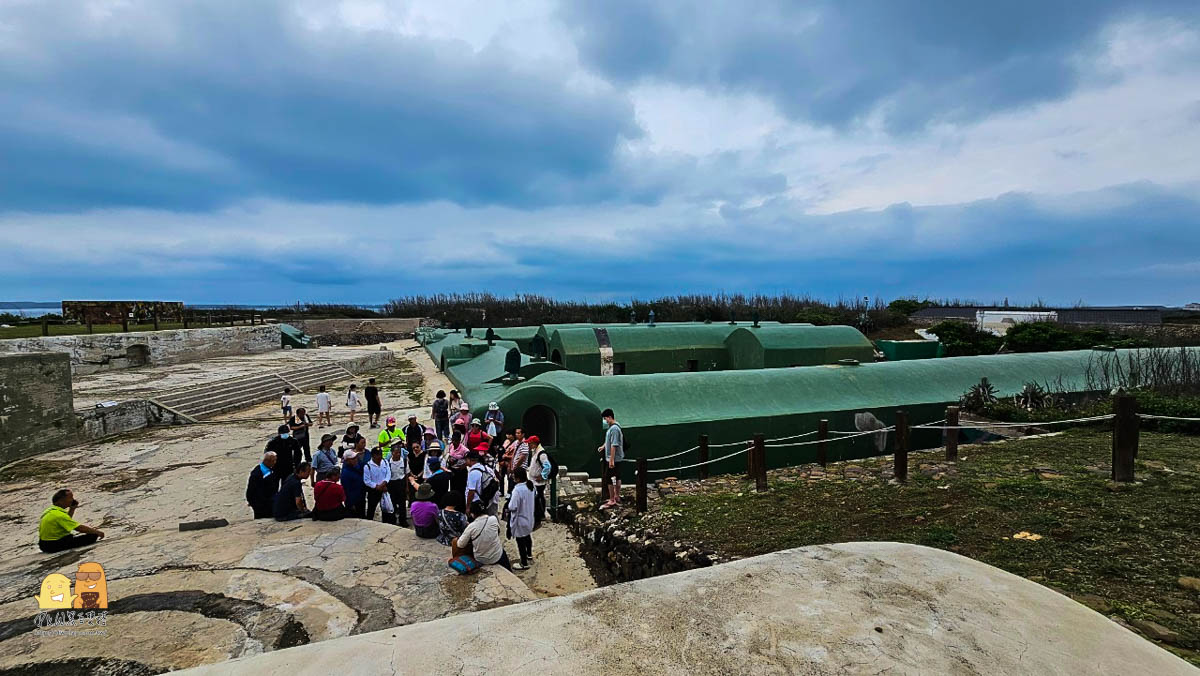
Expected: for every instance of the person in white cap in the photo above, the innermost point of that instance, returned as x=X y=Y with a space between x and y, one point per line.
x=493 y=421
x=463 y=419
x=413 y=431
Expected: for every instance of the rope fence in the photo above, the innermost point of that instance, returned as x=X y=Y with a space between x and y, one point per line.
x=1124 y=448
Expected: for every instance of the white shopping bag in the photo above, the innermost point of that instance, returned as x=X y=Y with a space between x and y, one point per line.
x=386 y=503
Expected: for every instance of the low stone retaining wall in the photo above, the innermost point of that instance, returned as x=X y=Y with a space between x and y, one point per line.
x=96 y=352
x=36 y=412
x=127 y=416
x=619 y=550
x=357 y=331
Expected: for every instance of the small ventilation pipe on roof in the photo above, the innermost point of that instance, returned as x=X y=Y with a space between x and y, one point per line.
x=732 y=318
x=632 y=317
x=756 y=319
x=468 y=332
x=650 y=321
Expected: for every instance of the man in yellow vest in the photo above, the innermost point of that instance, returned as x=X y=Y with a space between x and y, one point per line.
x=391 y=435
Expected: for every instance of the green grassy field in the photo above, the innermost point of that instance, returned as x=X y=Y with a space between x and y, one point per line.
x=1121 y=549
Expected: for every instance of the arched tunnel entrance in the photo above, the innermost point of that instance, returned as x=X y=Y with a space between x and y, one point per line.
x=556 y=357
x=541 y=421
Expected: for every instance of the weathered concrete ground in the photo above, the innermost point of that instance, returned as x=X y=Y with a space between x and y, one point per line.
x=183 y=599
x=855 y=608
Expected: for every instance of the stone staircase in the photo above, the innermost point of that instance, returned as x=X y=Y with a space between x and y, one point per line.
x=223 y=396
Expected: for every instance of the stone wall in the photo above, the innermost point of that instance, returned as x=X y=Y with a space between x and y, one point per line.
x=36 y=412
x=617 y=549
x=107 y=351
x=127 y=416
x=357 y=331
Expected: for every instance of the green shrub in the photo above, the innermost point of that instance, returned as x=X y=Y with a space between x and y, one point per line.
x=962 y=339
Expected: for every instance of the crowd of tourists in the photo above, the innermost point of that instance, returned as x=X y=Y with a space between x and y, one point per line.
x=457 y=481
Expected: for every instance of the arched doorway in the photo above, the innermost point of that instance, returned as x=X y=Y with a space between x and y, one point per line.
x=538 y=347
x=556 y=357
x=542 y=421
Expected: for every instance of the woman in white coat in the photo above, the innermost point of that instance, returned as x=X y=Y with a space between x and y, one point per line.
x=520 y=516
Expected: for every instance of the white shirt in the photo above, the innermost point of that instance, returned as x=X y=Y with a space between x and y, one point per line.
x=520 y=510
x=483 y=534
x=285 y=400
x=324 y=402
x=374 y=474
x=398 y=464
x=538 y=461
x=475 y=482
x=353 y=400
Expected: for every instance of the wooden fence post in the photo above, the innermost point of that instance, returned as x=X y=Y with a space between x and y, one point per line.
x=125 y=323
x=901 y=459
x=45 y=327
x=822 y=435
x=641 y=485
x=751 y=456
x=210 y=317
x=155 y=320
x=702 y=470
x=760 y=463
x=1126 y=434
x=185 y=320
x=89 y=326
x=951 y=435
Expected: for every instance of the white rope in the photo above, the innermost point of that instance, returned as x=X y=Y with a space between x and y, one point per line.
x=794 y=436
x=667 y=457
x=1147 y=416
x=818 y=441
x=1013 y=424
x=706 y=462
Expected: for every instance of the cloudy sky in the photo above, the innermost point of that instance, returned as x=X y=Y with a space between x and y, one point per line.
x=283 y=150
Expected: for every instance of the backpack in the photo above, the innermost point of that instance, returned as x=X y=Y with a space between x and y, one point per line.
x=553 y=463
x=441 y=408
x=488 y=487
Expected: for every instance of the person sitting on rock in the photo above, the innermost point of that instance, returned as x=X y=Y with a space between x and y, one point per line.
x=330 y=497
x=289 y=502
x=425 y=512
x=452 y=520
x=481 y=539
x=262 y=486
x=58 y=522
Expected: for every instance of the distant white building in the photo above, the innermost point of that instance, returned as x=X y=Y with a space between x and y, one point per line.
x=998 y=322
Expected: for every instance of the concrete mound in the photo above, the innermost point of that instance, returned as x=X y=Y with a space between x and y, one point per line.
x=848 y=608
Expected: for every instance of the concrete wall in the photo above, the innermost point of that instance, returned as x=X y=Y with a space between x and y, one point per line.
x=127 y=416
x=36 y=412
x=331 y=331
x=108 y=351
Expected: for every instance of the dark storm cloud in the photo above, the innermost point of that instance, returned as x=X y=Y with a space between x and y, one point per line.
x=834 y=63
x=275 y=108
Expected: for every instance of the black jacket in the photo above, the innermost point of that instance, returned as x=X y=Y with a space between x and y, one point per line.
x=260 y=492
x=287 y=452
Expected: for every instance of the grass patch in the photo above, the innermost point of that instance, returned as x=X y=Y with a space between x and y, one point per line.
x=1128 y=546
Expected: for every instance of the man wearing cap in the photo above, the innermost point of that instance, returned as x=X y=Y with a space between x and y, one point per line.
x=413 y=431
x=479 y=476
x=397 y=486
x=376 y=475
x=286 y=450
x=352 y=484
x=389 y=436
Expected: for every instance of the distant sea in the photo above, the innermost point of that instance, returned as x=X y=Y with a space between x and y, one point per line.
x=32 y=309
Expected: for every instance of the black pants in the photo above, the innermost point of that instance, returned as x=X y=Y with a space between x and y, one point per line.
x=539 y=505
x=399 y=492
x=68 y=541
x=373 y=498
x=303 y=441
x=335 y=514
x=442 y=426
x=525 y=548
x=504 y=561
x=357 y=508
x=293 y=515
x=264 y=511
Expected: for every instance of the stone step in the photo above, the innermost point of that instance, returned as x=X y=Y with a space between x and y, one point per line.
x=595 y=483
x=577 y=476
x=235 y=393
